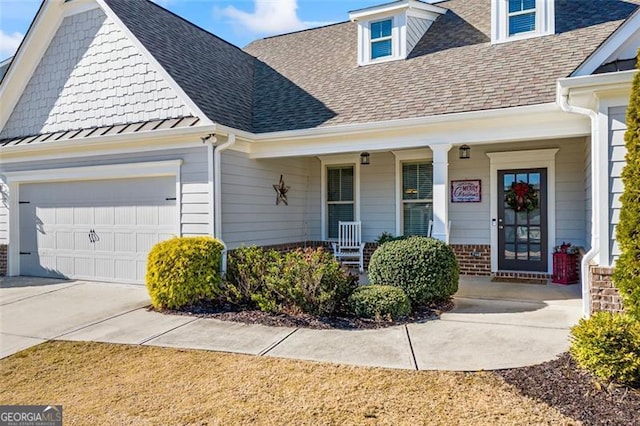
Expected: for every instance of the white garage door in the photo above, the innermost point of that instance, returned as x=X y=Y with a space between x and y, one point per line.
x=95 y=230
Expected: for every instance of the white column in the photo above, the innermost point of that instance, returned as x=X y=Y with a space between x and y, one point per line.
x=440 y=191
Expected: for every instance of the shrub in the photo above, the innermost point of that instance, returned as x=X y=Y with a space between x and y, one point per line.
x=309 y=280
x=248 y=272
x=425 y=268
x=385 y=237
x=608 y=345
x=182 y=271
x=379 y=302
x=627 y=269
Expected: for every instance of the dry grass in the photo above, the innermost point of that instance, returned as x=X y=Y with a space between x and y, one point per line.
x=116 y=384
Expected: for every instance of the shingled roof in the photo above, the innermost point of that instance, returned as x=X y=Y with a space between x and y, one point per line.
x=454 y=67
x=215 y=74
x=311 y=78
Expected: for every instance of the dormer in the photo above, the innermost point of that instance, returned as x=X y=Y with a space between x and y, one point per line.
x=521 y=19
x=389 y=32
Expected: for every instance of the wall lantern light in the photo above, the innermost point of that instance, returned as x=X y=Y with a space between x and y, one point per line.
x=365 y=158
x=465 y=152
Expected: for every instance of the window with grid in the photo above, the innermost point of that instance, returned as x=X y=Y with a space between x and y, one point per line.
x=381 y=44
x=417 y=197
x=522 y=16
x=340 y=201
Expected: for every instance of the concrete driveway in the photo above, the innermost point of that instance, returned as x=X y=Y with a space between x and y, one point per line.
x=493 y=326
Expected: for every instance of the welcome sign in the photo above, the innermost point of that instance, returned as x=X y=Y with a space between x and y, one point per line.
x=466 y=191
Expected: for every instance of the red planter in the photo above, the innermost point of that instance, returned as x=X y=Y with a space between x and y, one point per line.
x=565 y=268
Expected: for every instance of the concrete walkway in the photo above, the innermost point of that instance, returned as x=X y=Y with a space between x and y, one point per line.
x=493 y=326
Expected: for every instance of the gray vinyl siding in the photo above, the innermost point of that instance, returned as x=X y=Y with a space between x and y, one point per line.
x=249 y=211
x=471 y=222
x=617 y=153
x=377 y=196
x=195 y=201
x=416 y=27
x=91 y=75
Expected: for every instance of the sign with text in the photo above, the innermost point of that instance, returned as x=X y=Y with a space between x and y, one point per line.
x=30 y=415
x=466 y=191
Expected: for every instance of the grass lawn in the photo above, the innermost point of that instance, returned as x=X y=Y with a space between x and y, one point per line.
x=117 y=384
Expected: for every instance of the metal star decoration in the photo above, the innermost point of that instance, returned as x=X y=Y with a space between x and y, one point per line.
x=281 y=191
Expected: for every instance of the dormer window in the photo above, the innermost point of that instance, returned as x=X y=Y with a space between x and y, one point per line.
x=381 y=40
x=519 y=19
x=390 y=31
x=522 y=16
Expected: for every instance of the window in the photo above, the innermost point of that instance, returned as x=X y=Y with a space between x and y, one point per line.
x=340 y=197
x=522 y=16
x=417 y=197
x=381 y=42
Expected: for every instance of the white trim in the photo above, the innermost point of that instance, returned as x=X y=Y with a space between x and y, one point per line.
x=391 y=8
x=400 y=157
x=545 y=21
x=441 y=191
x=611 y=46
x=111 y=171
x=539 y=158
x=195 y=109
x=338 y=160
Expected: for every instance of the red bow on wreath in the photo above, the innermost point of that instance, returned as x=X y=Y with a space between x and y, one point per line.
x=521 y=197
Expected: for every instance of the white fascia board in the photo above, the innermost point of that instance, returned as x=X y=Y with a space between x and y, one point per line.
x=483 y=130
x=31 y=50
x=595 y=81
x=392 y=8
x=148 y=140
x=403 y=123
x=625 y=31
x=195 y=109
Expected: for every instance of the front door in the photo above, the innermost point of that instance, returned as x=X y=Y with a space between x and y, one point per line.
x=522 y=220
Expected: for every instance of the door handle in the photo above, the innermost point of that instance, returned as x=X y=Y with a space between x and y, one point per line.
x=93 y=237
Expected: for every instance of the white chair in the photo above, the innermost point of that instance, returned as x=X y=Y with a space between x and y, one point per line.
x=430 y=230
x=349 y=249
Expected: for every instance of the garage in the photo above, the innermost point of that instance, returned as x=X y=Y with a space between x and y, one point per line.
x=95 y=229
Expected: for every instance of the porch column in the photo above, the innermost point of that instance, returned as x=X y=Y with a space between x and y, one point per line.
x=440 y=191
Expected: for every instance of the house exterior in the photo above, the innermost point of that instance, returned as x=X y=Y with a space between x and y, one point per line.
x=123 y=124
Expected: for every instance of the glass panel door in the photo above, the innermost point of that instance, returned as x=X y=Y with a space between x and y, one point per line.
x=522 y=220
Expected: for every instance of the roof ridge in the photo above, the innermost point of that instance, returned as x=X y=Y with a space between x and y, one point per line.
x=197 y=26
x=302 y=31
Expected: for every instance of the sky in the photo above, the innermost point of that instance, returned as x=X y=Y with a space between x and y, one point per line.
x=237 y=21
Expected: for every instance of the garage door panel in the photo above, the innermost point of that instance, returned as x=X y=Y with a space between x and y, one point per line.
x=104 y=233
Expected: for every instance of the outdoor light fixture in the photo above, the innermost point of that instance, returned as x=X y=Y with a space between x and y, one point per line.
x=465 y=152
x=365 y=158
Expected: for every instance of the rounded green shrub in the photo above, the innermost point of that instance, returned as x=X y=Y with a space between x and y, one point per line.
x=184 y=270
x=379 y=302
x=608 y=345
x=425 y=268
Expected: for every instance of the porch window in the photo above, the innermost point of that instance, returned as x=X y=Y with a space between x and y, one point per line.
x=522 y=16
x=417 y=197
x=340 y=199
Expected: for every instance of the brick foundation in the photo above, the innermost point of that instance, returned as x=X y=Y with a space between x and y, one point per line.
x=474 y=259
x=3 y=260
x=604 y=296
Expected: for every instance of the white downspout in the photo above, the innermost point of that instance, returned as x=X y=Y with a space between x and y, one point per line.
x=595 y=197
x=217 y=199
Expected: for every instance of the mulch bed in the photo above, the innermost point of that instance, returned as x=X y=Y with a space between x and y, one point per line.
x=230 y=313
x=575 y=393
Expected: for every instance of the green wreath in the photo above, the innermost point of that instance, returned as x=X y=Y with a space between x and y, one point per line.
x=522 y=197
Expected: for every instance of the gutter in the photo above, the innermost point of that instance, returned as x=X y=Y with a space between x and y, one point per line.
x=215 y=186
x=563 y=101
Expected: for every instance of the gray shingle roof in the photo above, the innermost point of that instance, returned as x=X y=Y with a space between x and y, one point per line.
x=311 y=78
x=453 y=68
x=216 y=75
